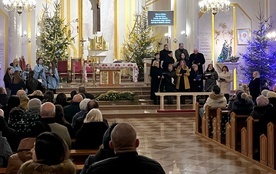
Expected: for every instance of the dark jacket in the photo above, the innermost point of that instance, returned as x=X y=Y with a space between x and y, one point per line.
x=14 y=87
x=77 y=120
x=244 y=107
x=169 y=81
x=32 y=85
x=265 y=119
x=178 y=52
x=210 y=77
x=198 y=58
x=259 y=111
x=164 y=54
x=90 y=135
x=7 y=80
x=255 y=88
x=125 y=163
x=196 y=81
x=3 y=100
x=5 y=151
x=166 y=62
x=10 y=134
x=101 y=155
x=71 y=110
x=155 y=81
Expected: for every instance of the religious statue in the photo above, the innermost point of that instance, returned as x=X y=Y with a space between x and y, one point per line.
x=226 y=52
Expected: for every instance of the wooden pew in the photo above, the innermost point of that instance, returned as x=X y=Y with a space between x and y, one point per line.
x=271 y=145
x=210 y=114
x=263 y=149
x=219 y=126
x=3 y=170
x=78 y=156
x=228 y=134
x=233 y=129
x=198 y=120
x=79 y=168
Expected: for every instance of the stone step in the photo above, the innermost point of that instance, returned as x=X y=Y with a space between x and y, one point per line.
x=112 y=116
x=141 y=106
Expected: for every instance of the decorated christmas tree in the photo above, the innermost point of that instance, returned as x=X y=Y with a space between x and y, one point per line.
x=139 y=42
x=53 y=40
x=258 y=57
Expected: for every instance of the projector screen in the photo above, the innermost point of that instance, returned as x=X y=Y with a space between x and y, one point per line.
x=160 y=18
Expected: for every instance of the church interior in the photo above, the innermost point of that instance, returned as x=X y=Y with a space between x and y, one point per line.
x=108 y=46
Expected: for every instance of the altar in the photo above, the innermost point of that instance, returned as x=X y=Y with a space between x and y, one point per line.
x=110 y=73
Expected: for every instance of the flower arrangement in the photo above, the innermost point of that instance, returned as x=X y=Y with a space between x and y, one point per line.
x=115 y=95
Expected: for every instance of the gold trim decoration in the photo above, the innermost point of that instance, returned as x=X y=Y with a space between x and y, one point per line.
x=213 y=38
x=149 y=2
x=98 y=44
x=62 y=9
x=175 y=23
x=80 y=29
x=6 y=37
x=116 y=42
x=29 y=38
x=234 y=30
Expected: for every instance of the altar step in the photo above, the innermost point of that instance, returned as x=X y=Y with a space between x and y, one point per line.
x=107 y=107
x=141 y=114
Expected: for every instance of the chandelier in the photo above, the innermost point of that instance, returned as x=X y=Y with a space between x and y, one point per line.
x=214 y=6
x=19 y=5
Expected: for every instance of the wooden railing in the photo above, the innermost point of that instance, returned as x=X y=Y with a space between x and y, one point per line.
x=178 y=95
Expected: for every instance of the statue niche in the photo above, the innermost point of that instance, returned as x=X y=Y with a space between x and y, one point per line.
x=96 y=15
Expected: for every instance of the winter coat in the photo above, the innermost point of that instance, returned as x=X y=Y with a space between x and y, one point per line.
x=23 y=154
x=169 y=81
x=66 y=167
x=243 y=107
x=5 y=151
x=224 y=85
x=90 y=135
x=71 y=110
x=185 y=77
x=101 y=155
x=10 y=134
x=259 y=111
x=216 y=101
x=255 y=88
x=196 y=81
x=128 y=162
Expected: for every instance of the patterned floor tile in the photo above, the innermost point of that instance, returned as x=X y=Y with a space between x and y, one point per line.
x=173 y=143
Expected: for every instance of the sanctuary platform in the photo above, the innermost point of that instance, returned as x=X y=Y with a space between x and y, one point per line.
x=141 y=106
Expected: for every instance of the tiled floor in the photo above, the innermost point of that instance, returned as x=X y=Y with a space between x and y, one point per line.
x=173 y=143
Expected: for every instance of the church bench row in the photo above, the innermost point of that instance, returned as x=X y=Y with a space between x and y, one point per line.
x=178 y=95
x=240 y=135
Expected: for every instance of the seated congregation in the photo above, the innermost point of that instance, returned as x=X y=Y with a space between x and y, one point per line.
x=45 y=134
x=243 y=124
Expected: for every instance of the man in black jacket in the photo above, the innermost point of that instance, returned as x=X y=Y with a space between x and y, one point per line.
x=124 y=141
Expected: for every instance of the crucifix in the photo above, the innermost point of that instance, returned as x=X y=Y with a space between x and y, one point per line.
x=96 y=15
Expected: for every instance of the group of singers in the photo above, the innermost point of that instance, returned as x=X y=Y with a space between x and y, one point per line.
x=40 y=78
x=183 y=73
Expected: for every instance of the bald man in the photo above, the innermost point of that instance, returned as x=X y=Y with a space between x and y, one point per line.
x=73 y=108
x=124 y=142
x=47 y=113
x=198 y=59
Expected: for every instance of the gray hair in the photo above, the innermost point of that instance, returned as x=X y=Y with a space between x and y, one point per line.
x=34 y=104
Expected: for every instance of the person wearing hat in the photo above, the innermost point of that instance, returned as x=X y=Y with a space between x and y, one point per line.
x=104 y=152
x=23 y=154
